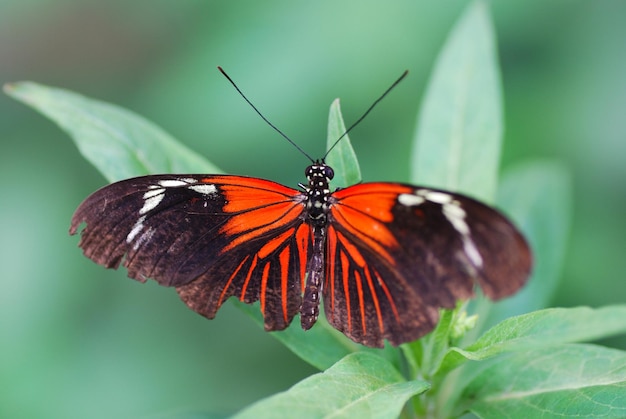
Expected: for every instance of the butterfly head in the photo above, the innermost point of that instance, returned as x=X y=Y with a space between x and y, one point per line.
x=319 y=175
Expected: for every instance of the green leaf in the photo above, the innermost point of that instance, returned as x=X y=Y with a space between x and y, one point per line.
x=551 y=326
x=321 y=346
x=542 y=328
x=428 y=351
x=457 y=142
x=118 y=142
x=361 y=385
x=584 y=381
x=342 y=157
x=439 y=338
x=537 y=196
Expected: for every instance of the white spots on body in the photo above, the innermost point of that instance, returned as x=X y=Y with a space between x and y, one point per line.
x=454 y=213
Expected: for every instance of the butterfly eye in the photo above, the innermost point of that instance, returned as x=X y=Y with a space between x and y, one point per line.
x=329 y=173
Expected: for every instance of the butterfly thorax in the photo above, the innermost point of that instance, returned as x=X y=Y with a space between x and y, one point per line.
x=319 y=176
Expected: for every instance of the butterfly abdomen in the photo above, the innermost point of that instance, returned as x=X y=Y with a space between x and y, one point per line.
x=317 y=207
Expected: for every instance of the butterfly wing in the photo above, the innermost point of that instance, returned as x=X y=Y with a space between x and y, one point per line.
x=211 y=237
x=397 y=253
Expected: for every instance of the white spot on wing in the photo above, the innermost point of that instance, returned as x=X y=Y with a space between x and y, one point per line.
x=153 y=192
x=145 y=236
x=151 y=202
x=436 y=197
x=204 y=188
x=454 y=210
x=472 y=252
x=410 y=200
x=173 y=183
x=136 y=229
x=459 y=225
x=456 y=216
x=454 y=213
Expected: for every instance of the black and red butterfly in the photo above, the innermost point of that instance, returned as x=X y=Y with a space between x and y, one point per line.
x=384 y=256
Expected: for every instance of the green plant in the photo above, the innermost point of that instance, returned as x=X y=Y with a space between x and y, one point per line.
x=527 y=365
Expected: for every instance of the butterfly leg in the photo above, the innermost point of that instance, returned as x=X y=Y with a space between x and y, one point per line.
x=310 y=309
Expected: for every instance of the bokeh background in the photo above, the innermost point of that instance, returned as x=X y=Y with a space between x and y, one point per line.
x=77 y=340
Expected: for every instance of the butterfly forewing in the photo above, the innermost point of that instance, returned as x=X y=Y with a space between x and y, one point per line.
x=464 y=239
x=397 y=253
x=210 y=236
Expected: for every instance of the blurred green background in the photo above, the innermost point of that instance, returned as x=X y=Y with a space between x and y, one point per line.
x=80 y=341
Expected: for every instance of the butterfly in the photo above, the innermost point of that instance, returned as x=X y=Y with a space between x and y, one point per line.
x=384 y=257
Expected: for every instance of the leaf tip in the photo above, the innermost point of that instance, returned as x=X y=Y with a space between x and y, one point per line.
x=10 y=88
x=17 y=90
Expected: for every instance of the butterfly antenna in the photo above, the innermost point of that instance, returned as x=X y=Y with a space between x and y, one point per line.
x=395 y=83
x=261 y=115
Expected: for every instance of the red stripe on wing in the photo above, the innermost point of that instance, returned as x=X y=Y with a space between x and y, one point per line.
x=266 y=270
x=257 y=222
x=329 y=286
x=379 y=316
x=392 y=303
x=244 y=287
x=345 y=277
x=274 y=243
x=364 y=210
x=303 y=239
x=230 y=281
x=284 y=280
x=359 y=291
x=349 y=247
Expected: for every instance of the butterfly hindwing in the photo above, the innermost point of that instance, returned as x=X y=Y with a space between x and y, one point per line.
x=270 y=271
x=367 y=299
x=210 y=236
x=397 y=253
